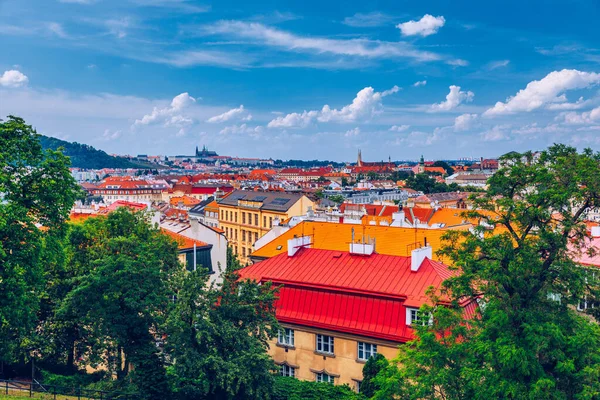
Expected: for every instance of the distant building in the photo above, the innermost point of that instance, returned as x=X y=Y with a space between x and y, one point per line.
x=246 y=216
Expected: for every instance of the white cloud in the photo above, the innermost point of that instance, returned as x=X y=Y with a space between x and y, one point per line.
x=118 y=27
x=548 y=90
x=243 y=128
x=534 y=128
x=13 y=78
x=171 y=115
x=497 y=64
x=584 y=118
x=345 y=47
x=365 y=105
x=428 y=25
x=239 y=112
x=579 y=104
x=399 y=128
x=453 y=99
x=368 y=20
x=352 y=132
x=420 y=83
x=464 y=122
x=496 y=133
x=110 y=134
x=58 y=30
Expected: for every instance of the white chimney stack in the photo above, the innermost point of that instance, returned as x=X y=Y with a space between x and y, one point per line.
x=595 y=231
x=296 y=244
x=417 y=257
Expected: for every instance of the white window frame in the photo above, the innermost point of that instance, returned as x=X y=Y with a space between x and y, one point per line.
x=285 y=337
x=286 y=370
x=368 y=350
x=325 y=344
x=325 y=378
x=413 y=316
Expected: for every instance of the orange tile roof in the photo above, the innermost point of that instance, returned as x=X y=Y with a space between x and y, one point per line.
x=390 y=240
x=185 y=200
x=183 y=242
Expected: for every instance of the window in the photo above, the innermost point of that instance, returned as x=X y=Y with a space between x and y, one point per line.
x=323 y=377
x=586 y=303
x=414 y=316
x=236 y=217
x=256 y=219
x=366 y=350
x=265 y=221
x=325 y=344
x=285 y=337
x=286 y=370
x=270 y=222
x=243 y=217
x=244 y=251
x=255 y=236
x=243 y=235
x=236 y=231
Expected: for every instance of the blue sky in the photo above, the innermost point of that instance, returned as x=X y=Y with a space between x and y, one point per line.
x=306 y=79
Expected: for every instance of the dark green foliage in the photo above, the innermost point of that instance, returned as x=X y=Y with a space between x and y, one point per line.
x=528 y=342
x=445 y=165
x=217 y=338
x=372 y=367
x=36 y=189
x=119 y=295
x=337 y=198
x=285 y=388
x=85 y=156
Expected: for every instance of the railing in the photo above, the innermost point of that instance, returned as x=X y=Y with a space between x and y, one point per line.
x=9 y=387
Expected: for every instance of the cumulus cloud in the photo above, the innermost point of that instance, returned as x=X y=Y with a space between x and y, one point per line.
x=241 y=129
x=579 y=104
x=496 y=133
x=420 y=83
x=428 y=25
x=111 y=135
x=548 y=90
x=13 y=78
x=58 y=30
x=365 y=105
x=453 y=99
x=352 y=132
x=234 y=113
x=399 y=128
x=172 y=115
x=584 y=118
x=464 y=122
x=534 y=129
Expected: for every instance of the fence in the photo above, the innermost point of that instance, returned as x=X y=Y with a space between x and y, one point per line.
x=52 y=391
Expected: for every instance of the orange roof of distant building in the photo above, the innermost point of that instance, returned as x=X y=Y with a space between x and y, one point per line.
x=184 y=242
x=122 y=203
x=186 y=201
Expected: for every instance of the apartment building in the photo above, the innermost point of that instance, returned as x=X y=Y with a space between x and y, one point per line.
x=246 y=216
x=338 y=308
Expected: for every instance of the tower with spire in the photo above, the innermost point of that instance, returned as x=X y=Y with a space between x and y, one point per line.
x=359 y=161
x=421 y=165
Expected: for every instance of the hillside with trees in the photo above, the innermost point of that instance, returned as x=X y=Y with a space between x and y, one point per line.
x=86 y=156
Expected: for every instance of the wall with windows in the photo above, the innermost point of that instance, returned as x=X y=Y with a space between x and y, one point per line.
x=296 y=351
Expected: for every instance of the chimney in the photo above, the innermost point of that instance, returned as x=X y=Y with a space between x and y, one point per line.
x=595 y=231
x=296 y=244
x=417 y=257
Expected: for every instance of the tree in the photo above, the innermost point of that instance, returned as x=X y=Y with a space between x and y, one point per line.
x=445 y=165
x=36 y=189
x=218 y=338
x=287 y=388
x=527 y=341
x=337 y=198
x=372 y=367
x=121 y=267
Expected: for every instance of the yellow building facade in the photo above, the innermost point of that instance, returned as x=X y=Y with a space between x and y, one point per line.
x=246 y=216
x=304 y=358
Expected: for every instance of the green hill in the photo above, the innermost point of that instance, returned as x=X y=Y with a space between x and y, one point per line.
x=85 y=156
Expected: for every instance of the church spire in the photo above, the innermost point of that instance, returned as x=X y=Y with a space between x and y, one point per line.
x=359 y=161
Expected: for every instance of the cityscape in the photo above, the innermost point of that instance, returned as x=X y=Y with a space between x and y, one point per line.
x=299 y=200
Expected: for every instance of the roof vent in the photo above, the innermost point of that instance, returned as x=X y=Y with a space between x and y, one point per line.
x=296 y=244
x=417 y=257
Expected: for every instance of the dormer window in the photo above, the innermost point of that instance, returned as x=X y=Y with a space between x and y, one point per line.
x=414 y=316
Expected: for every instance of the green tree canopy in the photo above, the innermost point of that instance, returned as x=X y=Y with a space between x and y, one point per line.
x=528 y=342
x=36 y=190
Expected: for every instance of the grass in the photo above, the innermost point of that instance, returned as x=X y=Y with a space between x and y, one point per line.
x=24 y=395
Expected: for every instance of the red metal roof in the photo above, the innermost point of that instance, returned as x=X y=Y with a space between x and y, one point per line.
x=363 y=295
